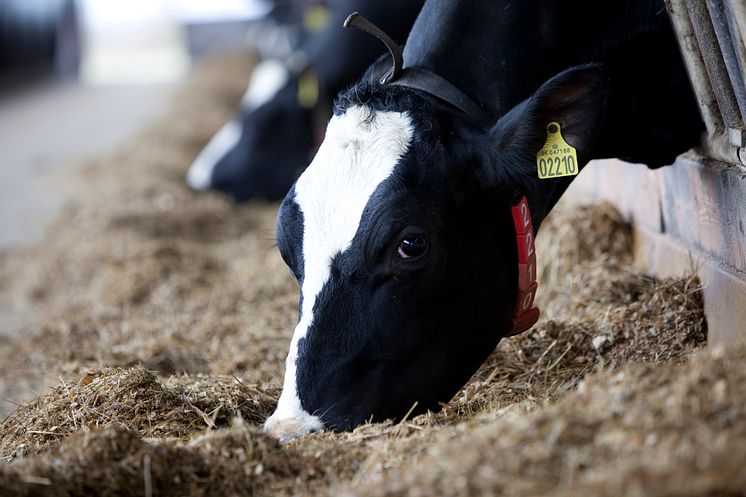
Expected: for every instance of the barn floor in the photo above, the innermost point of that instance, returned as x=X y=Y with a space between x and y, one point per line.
x=164 y=318
x=48 y=128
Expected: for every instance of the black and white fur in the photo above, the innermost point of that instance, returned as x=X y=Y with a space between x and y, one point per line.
x=380 y=329
x=266 y=146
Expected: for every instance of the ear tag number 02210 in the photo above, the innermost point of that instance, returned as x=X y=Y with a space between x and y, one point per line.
x=557 y=157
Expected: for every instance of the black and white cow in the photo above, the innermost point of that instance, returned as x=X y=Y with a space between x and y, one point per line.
x=263 y=150
x=400 y=231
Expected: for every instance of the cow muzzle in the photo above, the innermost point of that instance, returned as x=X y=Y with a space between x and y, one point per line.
x=288 y=429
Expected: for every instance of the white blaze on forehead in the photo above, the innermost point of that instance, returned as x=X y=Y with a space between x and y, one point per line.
x=266 y=80
x=359 y=152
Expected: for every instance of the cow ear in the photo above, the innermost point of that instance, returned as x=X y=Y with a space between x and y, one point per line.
x=575 y=98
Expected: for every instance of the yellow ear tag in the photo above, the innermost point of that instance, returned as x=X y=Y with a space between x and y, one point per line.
x=308 y=89
x=316 y=19
x=557 y=157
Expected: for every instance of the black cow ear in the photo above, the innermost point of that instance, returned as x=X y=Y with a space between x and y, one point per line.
x=575 y=98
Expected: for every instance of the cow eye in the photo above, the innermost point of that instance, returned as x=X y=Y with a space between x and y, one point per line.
x=412 y=246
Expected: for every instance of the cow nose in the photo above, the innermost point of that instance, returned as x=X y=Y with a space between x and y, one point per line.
x=288 y=429
x=285 y=439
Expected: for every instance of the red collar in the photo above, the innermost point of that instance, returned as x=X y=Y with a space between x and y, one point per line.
x=525 y=314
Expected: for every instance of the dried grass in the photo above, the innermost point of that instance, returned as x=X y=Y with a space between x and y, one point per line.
x=117 y=462
x=645 y=429
x=167 y=313
x=132 y=399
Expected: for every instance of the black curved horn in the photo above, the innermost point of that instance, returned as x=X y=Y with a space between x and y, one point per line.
x=360 y=22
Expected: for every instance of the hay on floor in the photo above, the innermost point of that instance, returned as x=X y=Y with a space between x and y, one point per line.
x=133 y=399
x=165 y=314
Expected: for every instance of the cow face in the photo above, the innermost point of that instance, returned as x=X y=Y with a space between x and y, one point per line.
x=262 y=151
x=400 y=236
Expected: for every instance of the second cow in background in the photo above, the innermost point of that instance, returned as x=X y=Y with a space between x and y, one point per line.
x=282 y=117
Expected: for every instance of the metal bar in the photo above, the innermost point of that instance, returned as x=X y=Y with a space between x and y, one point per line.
x=698 y=77
x=735 y=13
x=728 y=52
x=714 y=63
x=719 y=146
x=717 y=143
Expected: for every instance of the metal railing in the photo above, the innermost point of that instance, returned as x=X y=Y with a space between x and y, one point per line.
x=711 y=37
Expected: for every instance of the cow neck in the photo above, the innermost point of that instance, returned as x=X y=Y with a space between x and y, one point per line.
x=525 y=314
x=418 y=78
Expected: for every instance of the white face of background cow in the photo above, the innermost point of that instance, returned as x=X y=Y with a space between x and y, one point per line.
x=400 y=235
x=261 y=151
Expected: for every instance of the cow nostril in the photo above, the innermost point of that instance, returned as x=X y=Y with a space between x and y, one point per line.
x=288 y=429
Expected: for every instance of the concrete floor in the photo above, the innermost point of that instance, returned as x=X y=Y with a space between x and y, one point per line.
x=47 y=129
x=56 y=126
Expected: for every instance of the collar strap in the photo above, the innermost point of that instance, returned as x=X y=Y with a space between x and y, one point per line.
x=525 y=314
x=429 y=82
x=415 y=77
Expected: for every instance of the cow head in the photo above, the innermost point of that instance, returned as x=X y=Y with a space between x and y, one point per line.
x=401 y=238
x=262 y=151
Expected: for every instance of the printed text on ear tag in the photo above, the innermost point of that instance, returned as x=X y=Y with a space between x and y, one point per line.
x=557 y=157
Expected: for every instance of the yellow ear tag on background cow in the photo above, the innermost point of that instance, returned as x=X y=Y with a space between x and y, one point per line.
x=557 y=157
x=308 y=89
x=316 y=18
